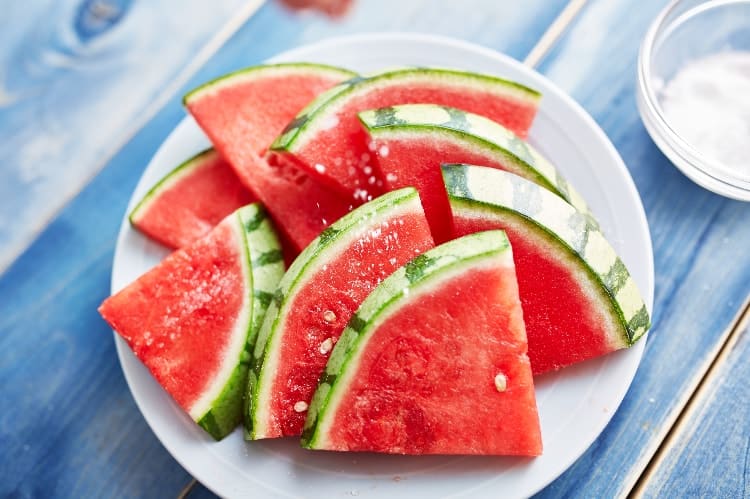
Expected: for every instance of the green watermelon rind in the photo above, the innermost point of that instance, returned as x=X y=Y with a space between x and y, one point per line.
x=184 y=169
x=262 y=273
x=476 y=190
x=402 y=287
x=331 y=241
x=261 y=70
x=312 y=118
x=487 y=136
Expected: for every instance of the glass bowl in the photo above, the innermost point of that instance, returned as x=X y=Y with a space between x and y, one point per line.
x=687 y=30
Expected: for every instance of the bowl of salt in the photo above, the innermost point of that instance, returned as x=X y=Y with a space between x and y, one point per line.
x=694 y=91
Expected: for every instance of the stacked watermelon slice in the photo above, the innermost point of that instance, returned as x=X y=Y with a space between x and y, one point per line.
x=424 y=293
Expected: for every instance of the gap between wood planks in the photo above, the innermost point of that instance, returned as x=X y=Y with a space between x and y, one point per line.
x=705 y=382
x=211 y=46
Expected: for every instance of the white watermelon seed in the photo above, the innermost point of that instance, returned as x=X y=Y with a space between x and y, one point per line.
x=320 y=168
x=329 y=316
x=326 y=346
x=501 y=382
x=300 y=406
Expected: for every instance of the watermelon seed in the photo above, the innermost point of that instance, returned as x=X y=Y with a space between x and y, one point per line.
x=300 y=406
x=320 y=168
x=329 y=316
x=367 y=169
x=326 y=346
x=501 y=382
x=383 y=151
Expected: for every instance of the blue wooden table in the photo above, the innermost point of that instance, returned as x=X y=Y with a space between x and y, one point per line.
x=90 y=88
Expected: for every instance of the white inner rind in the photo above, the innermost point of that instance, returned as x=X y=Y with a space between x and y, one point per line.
x=238 y=336
x=387 y=299
x=591 y=288
x=425 y=122
x=476 y=125
x=305 y=268
x=565 y=225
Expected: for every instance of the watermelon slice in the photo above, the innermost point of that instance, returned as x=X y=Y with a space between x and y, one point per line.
x=190 y=200
x=579 y=301
x=317 y=297
x=327 y=140
x=242 y=112
x=434 y=361
x=193 y=318
x=412 y=141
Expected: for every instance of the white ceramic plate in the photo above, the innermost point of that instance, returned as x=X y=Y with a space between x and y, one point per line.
x=574 y=405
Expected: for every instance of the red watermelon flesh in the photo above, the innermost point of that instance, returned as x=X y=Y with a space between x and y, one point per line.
x=416 y=162
x=301 y=206
x=440 y=370
x=334 y=149
x=558 y=335
x=190 y=201
x=319 y=304
x=180 y=316
x=242 y=113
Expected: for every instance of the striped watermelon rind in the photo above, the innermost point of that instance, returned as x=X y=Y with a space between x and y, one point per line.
x=331 y=241
x=183 y=170
x=398 y=289
x=312 y=118
x=486 y=136
x=263 y=267
x=475 y=191
x=263 y=71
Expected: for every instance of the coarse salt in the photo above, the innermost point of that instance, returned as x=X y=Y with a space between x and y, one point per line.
x=708 y=104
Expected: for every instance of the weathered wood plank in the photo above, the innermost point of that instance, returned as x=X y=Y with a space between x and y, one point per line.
x=78 y=78
x=700 y=245
x=711 y=443
x=74 y=430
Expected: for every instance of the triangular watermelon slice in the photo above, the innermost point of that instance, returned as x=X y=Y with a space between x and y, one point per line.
x=242 y=112
x=190 y=200
x=193 y=318
x=410 y=143
x=317 y=297
x=327 y=140
x=579 y=301
x=433 y=362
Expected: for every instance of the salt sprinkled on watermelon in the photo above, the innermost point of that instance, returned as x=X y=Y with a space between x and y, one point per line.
x=318 y=296
x=191 y=318
x=328 y=126
x=433 y=362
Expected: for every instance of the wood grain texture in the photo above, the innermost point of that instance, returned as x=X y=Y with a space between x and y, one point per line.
x=73 y=429
x=711 y=442
x=77 y=79
x=700 y=248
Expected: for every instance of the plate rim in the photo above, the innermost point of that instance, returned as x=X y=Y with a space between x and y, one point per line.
x=439 y=40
